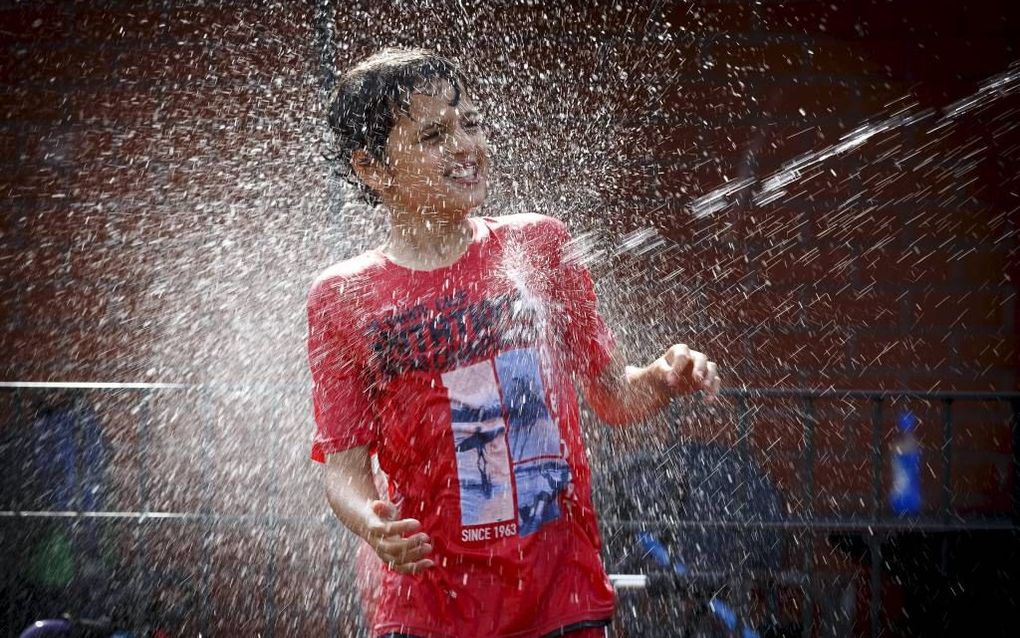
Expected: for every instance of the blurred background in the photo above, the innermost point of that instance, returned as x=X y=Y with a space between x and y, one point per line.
x=823 y=196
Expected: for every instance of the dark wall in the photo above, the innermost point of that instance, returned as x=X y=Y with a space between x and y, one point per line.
x=161 y=178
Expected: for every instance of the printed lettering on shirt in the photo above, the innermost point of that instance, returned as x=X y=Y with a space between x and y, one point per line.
x=448 y=334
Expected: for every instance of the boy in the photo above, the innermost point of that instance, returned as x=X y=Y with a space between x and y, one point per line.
x=451 y=353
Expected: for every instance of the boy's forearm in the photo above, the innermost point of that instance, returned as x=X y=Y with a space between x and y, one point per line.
x=626 y=395
x=352 y=509
x=350 y=491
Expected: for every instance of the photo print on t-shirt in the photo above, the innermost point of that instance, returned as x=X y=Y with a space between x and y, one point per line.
x=502 y=423
x=540 y=472
x=479 y=436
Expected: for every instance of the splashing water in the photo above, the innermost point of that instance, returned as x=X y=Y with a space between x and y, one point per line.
x=202 y=230
x=803 y=168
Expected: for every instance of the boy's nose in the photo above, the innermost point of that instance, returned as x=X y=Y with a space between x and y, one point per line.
x=461 y=141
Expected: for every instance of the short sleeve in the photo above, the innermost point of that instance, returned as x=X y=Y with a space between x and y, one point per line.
x=344 y=417
x=589 y=341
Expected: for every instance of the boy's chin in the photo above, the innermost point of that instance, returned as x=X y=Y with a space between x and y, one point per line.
x=467 y=199
x=452 y=213
x=463 y=207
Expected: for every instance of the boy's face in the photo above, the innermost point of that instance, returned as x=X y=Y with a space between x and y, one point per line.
x=437 y=156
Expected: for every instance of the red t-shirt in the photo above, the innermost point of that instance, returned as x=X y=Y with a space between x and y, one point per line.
x=460 y=380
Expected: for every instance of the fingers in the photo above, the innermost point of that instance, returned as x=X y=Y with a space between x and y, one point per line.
x=689 y=370
x=406 y=555
x=678 y=358
x=699 y=370
x=402 y=551
x=389 y=525
x=399 y=528
x=385 y=510
x=396 y=541
x=413 y=568
x=712 y=382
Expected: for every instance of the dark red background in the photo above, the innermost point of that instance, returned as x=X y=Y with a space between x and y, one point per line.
x=106 y=115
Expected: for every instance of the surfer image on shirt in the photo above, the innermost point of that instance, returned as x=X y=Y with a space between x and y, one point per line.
x=478 y=427
x=478 y=440
x=489 y=411
x=524 y=409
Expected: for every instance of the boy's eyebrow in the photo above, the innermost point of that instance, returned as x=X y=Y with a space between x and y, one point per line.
x=426 y=124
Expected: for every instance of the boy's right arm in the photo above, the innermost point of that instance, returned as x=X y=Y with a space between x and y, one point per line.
x=351 y=493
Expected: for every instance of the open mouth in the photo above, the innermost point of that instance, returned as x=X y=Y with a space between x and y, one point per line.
x=466 y=173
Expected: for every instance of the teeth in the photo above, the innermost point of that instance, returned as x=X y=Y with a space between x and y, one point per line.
x=462 y=172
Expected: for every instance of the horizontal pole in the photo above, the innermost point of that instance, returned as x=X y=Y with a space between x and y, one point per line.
x=89 y=385
x=712 y=579
x=834 y=393
x=803 y=393
x=870 y=526
x=628 y=581
x=187 y=517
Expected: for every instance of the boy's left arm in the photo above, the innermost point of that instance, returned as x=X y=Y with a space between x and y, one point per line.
x=624 y=394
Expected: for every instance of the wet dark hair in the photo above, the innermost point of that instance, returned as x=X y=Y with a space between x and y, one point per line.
x=363 y=107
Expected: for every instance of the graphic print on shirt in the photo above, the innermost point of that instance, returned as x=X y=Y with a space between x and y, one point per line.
x=445 y=333
x=496 y=405
x=540 y=471
x=479 y=437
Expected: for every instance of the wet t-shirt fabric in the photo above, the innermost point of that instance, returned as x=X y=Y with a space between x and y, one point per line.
x=459 y=380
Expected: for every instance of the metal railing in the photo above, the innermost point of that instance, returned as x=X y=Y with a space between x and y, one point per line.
x=878 y=526
x=874 y=529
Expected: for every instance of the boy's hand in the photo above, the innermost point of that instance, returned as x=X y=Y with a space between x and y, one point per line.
x=682 y=370
x=387 y=536
x=627 y=394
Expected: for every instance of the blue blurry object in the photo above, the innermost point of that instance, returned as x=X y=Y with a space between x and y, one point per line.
x=907 y=421
x=723 y=612
x=729 y=618
x=905 y=458
x=654 y=548
x=68 y=473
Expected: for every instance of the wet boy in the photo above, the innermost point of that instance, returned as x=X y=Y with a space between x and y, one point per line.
x=451 y=353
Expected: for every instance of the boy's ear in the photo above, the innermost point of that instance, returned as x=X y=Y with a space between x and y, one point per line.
x=369 y=170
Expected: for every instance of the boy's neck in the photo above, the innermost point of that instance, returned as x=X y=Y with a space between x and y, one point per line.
x=427 y=244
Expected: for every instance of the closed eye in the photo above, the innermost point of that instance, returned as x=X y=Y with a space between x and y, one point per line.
x=430 y=135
